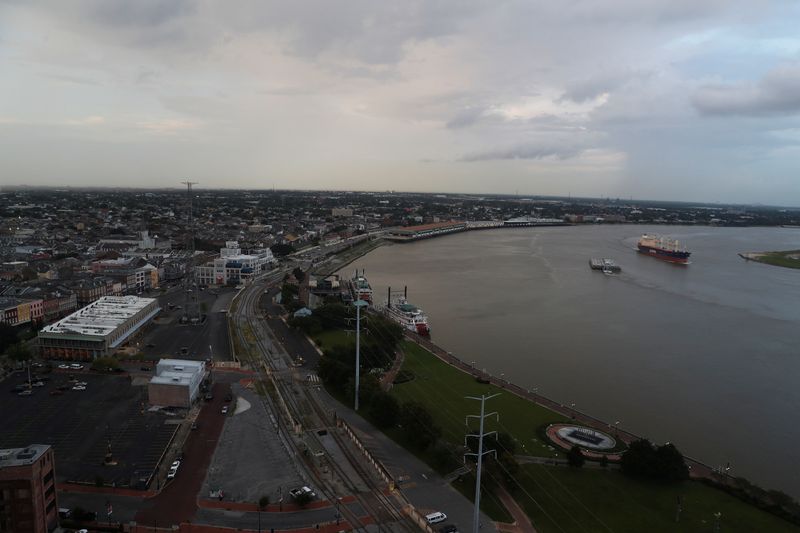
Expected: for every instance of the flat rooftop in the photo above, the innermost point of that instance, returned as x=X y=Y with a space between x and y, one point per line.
x=22 y=456
x=101 y=317
x=172 y=378
x=185 y=363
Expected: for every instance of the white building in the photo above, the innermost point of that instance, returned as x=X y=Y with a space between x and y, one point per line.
x=176 y=383
x=232 y=266
x=98 y=329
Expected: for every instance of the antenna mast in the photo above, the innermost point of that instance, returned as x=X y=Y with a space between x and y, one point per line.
x=190 y=283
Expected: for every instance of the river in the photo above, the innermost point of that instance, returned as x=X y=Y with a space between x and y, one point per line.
x=706 y=356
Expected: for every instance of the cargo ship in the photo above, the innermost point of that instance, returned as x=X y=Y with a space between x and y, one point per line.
x=407 y=315
x=360 y=288
x=663 y=248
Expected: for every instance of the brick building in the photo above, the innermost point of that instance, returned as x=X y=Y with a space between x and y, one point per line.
x=28 y=489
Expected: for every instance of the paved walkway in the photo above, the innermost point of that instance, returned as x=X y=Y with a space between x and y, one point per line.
x=522 y=524
x=177 y=502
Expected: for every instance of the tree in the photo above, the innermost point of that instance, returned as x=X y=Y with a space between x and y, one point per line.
x=279 y=250
x=664 y=463
x=303 y=499
x=263 y=501
x=383 y=409
x=8 y=336
x=418 y=426
x=105 y=364
x=19 y=352
x=575 y=456
x=298 y=274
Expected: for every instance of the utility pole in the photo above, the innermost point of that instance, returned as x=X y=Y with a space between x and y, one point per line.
x=189 y=310
x=359 y=304
x=480 y=454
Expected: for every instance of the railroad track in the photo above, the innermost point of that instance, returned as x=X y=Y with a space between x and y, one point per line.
x=385 y=510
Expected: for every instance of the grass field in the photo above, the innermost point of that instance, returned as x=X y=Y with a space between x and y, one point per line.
x=600 y=501
x=562 y=498
x=787 y=259
x=334 y=337
x=442 y=389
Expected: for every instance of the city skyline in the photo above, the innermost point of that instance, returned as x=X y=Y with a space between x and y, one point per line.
x=665 y=101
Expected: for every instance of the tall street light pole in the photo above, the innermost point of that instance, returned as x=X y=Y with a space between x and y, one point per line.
x=359 y=304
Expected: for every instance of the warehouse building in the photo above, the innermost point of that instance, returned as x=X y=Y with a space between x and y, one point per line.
x=98 y=329
x=176 y=383
x=425 y=231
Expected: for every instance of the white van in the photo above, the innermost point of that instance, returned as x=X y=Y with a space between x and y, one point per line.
x=435 y=518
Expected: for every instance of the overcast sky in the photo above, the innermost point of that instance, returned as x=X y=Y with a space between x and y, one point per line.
x=663 y=99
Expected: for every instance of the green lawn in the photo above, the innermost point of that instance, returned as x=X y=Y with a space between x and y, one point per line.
x=442 y=389
x=589 y=500
x=334 y=337
x=787 y=259
x=577 y=499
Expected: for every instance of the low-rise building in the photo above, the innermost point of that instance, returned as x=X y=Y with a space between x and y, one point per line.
x=176 y=383
x=28 y=489
x=232 y=266
x=98 y=329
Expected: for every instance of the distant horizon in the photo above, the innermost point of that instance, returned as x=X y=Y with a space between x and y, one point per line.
x=617 y=98
x=195 y=188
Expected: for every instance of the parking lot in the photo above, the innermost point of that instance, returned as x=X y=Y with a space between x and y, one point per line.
x=167 y=337
x=250 y=460
x=80 y=425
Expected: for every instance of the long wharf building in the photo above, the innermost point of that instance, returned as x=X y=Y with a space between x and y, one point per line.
x=98 y=329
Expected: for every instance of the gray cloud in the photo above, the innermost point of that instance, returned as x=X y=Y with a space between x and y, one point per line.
x=466 y=117
x=526 y=151
x=778 y=92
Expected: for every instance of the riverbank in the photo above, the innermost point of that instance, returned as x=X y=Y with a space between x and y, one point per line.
x=557 y=497
x=341 y=260
x=786 y=259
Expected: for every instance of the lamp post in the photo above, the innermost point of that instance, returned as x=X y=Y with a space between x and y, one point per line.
x=359 y=304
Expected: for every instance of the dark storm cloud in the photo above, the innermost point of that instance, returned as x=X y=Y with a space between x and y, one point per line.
x=778 y=92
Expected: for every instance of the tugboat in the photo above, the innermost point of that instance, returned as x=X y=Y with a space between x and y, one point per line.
x=406 y=314
x=663 y=248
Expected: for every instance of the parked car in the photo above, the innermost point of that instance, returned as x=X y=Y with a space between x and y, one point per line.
x=79 y=387
x=56 y=392
x=26 y=392
x=225 y=410
x=435 y=518
x=38 y=384
x=63 y=367
x=76 y=366
x=299 y=491
x=449 y=528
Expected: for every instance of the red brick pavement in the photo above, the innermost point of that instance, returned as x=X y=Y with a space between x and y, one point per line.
x=177 y=501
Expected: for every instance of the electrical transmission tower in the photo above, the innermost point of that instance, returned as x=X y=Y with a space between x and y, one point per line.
x=190 y=311
x=477 y=512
